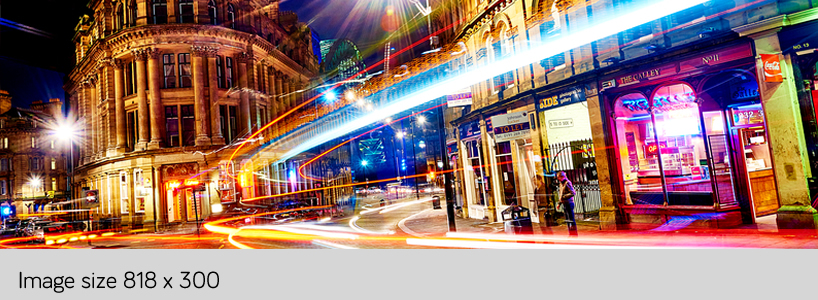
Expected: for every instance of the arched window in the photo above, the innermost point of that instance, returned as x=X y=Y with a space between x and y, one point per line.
x=132 y=13
x=159 y=11
x=231 y=16
x=212 y=12
x=185 y=11
x=120 y=17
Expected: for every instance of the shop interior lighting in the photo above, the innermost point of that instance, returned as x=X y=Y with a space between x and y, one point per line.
x=602 y=28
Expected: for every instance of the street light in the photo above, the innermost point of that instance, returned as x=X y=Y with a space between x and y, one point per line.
x=421 y=120
x=68 y=132
x=364 y=163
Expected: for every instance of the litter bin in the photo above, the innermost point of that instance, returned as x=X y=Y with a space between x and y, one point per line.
x=436 y=202
x=517 y=220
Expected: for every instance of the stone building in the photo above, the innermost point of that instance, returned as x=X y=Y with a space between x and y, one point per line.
x=32 y=158
x=163 y=87
x=726 y=138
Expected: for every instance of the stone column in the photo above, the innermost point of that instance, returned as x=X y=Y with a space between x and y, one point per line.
x=608 y=212
x=215 y=126
x=244 y=105
x=787 y=145
x=141 y=57
x=291 y=98
x=154 y=84
x=200 y=104
x=119 y=108
x=277 y=99
x=272 y=91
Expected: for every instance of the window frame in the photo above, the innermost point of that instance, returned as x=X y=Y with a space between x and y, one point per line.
x=183 y=63
x=169 y=63
x=182 y=17
x=157 y=17
x=213 y=12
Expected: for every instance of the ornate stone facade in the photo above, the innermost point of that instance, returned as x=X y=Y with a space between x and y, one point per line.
x=154 y=90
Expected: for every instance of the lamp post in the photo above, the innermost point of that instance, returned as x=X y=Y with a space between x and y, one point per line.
x=67 y=132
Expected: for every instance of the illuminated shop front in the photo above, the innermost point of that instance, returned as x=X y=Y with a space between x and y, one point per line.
x=186 y=196
x=698 y=146
x=567 y=143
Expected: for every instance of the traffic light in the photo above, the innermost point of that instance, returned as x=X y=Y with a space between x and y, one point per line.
x=432 y=175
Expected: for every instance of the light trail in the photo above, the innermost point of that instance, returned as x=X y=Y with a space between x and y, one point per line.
x=354 y=138
x=260 y=130
x=582 y=36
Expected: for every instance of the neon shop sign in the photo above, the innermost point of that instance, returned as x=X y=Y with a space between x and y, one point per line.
x=663 y=103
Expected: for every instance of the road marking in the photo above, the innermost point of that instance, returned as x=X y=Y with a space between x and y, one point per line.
x=402 y=224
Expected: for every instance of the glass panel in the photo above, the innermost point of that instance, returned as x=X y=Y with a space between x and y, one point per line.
x=680 y=146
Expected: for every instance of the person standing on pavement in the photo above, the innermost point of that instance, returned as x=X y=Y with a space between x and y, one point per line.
x=566 y=194
x=541 y=197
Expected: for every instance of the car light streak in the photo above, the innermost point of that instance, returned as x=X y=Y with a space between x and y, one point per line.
x=331 y=245
x=598 y=30
x=452 y=243
x=402 y=205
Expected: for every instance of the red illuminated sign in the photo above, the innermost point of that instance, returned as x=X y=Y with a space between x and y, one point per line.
x=772 y=68
x=652 y=149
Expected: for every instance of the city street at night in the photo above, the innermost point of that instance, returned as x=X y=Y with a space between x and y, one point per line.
x=416 y=124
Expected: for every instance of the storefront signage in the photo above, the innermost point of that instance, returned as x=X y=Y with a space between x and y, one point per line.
x=716 y=57
x=652 y=149
x=460 y=98
x=799 y=38
x=772 y=68
x=649 y=74
x=743 y=91
x=747 y=117
x=469 y=129
x=562 y=123
x=570 y=96
x=663 y=103
x=179 y=171
x=510 y=126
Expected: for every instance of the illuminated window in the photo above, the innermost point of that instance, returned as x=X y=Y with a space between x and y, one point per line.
x=5 y=143
x=52 y=144
x=168 y=68
x=185 y=11
x=159 y=10
x=231 y=16
x=53 y=184
x=53 y=163
x=212 y=12
x=125 y=206
x=184 y=70
x=33 y=142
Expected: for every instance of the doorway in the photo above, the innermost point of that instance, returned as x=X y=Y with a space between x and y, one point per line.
x=749 y=135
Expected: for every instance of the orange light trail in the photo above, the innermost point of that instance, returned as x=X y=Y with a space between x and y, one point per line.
x=232 y=155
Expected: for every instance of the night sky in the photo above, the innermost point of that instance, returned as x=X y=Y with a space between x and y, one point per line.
x=33 y=63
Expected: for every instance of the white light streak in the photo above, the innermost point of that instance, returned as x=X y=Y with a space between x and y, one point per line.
x=538 y=51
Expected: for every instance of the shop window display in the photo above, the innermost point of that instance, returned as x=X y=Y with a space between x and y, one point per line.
x=662 y=150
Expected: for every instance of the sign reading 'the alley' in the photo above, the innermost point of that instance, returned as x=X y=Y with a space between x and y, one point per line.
x=509 y=127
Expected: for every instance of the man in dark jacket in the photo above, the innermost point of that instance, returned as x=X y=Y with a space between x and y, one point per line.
x=566 y=200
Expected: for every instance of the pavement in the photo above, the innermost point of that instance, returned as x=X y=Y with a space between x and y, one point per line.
x=431 y=223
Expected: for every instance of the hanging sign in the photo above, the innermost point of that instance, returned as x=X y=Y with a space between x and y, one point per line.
x=511 y=126
x=460 y=98
x=772 y=68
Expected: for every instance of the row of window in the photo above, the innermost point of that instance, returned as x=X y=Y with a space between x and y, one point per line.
x=4 y=143
x=180 y=125
x=4 y=186
x=159 y=12
x=34 y=164
x=177 y=72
